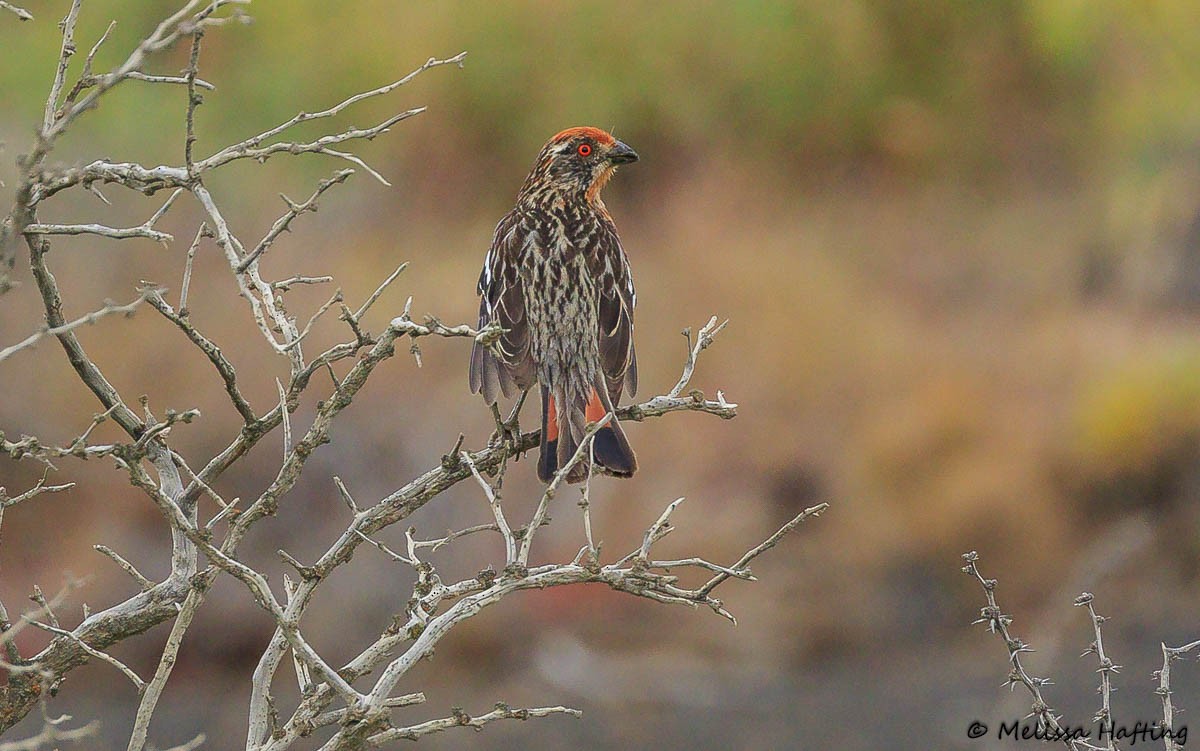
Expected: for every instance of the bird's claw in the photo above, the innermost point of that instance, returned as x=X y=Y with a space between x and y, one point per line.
x=507 y=433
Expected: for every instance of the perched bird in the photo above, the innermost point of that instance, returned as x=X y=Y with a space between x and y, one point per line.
x=558 y=280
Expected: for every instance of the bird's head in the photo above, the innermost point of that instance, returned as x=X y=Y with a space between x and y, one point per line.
x=577 y=163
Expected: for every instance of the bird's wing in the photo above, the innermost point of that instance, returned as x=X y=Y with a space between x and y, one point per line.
x=509 y=365
x=617 y=300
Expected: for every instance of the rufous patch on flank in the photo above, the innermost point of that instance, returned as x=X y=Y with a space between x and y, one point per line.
x=597 y=135
x=595 y=411
x=551 y=421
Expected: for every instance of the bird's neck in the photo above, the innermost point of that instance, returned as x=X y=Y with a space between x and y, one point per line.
x=548 y=198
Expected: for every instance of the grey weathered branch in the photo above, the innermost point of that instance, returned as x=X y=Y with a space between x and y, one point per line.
x=113 y=233
x=404 y=502
x=510 y=543
x=146 y=229
x=460 y=719
x=358 y=716
x=1106 y=670
x=109 y=308
x=1075 y=737
x=153 y=690
x=250 y=146
x=52 y=733
x=997 y=622
x=210 y=350
x=143 y=583
x=132 y=676
x=41 y=487
x=64 y=59
x=1170 y=655
x=20 y=12
x=180 y=80
x=473 y=595
x=584 y=449
x=706 y=336
x=40 y=183
x=284 y=223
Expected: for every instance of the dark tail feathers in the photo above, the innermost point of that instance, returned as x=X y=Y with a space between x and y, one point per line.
x=561 y=437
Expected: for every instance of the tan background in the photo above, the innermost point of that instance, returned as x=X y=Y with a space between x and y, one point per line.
x=960 y=247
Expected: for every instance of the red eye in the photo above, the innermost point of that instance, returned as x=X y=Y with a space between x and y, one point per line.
x=584 y=149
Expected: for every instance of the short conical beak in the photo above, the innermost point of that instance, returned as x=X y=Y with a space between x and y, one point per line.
x=622 y=154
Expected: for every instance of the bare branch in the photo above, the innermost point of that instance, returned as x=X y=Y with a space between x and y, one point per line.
x=585 y=447
x=1107 y=668
x=1170 y=654
x=459 y=718
x=132 y=676
x=658 y=529
x=336 y=298
x=153 y=690
x=386 y=550
x=705 y=338
x=287 y=284
x=743 y=574
x=362 y=719
x=283 y=223
x=132 y=176
x=287 y=422
x=210 y=350
x=21 y=13
x=180 y=80
x=45 y=608
x=145 y=229
x=193 y=101
x=33 y=492
x=86 y=79
x=109 y=308
x=113 y=233
x=510 y=543
x=258 y=293
x=764 y=546
x=64 y=59
x=250 y=146
x=143 y=583
x=345 y=495
x=51 y=735
x=187 y=267
x=997 y=622
x=165 y=35
x=358 y=314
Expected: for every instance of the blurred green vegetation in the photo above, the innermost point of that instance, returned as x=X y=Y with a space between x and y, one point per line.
x=942 y=87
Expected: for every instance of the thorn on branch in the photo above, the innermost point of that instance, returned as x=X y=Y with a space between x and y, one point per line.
x=306 y=572
x=452 y=460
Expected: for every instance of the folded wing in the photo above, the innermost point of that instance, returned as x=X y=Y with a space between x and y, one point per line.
x=508 y=366
x=618 y=359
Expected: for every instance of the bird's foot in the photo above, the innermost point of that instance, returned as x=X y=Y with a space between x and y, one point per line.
x=507 y=433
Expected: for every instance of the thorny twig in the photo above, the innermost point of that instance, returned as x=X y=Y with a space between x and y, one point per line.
x=1048 y=721
x=997 y=622
x=1170 y=654
x=1106 y=670
x=109 y=308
